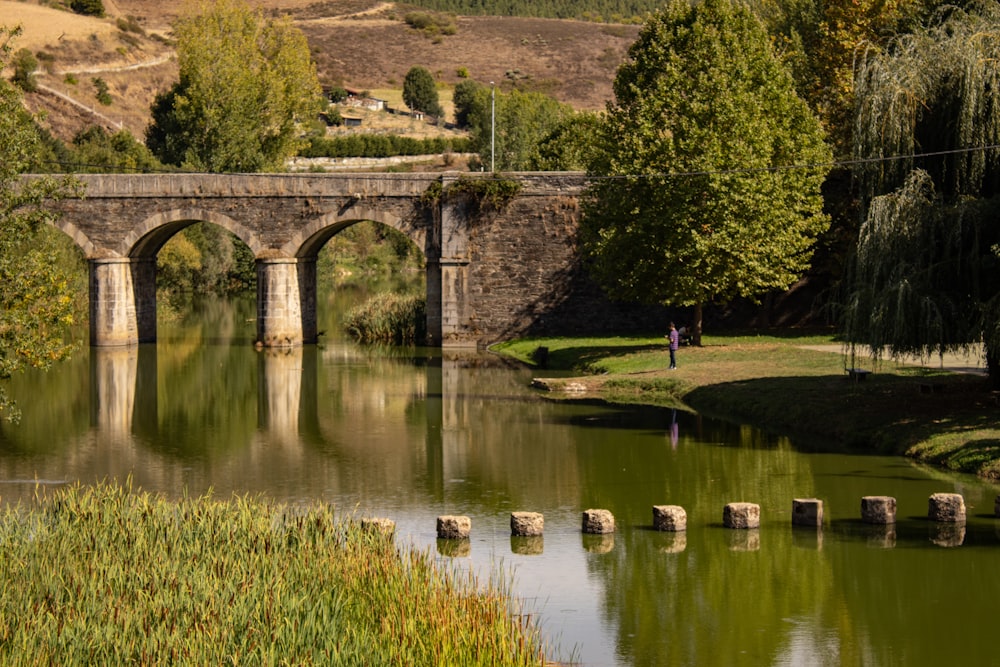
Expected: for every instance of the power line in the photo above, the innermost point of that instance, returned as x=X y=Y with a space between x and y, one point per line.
x=806 y=166
x=663 y=175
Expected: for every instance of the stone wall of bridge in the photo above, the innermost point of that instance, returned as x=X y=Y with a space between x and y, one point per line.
x=490 y=275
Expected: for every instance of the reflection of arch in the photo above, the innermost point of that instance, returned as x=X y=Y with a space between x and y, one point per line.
x=149 y=236
x=312 y=237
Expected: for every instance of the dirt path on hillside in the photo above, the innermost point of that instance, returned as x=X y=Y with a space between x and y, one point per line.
x=103 y=120
x=377 y=9
x=98 y=69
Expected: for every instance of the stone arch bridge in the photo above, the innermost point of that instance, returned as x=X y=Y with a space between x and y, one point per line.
x=490 y=275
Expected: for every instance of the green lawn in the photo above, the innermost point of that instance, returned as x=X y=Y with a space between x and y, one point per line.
x=777 y=382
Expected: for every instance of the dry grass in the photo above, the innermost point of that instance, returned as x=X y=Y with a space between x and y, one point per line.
x=360 y=43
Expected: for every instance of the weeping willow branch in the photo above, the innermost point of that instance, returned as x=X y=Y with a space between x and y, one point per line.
x=925 y=277
x=933 y=90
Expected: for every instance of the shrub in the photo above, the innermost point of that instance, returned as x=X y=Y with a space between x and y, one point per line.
x=130 y=24
x=88 y=7
x=101 y=86
x=46 y=60
x=25 y=65
x=368 y=145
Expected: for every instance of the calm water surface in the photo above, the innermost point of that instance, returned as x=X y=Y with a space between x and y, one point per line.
x=412 y=435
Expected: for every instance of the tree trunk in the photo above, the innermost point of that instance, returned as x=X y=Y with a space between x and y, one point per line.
x=696 y=326
x=993 y=367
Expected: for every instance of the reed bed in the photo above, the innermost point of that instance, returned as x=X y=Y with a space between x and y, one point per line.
x=107 y=575
x=389 y=318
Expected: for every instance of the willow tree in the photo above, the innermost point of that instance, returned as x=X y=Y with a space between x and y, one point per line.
x=707 y=187
x=926 y=276
x=247 y=85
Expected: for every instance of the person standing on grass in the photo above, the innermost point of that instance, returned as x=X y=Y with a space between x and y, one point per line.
x=675 y=341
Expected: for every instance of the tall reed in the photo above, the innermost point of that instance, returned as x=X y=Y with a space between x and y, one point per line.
x=389 y=318
x=105 y=575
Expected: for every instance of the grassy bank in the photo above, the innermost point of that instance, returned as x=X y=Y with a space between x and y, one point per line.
x=784 y=384
x=107 y=576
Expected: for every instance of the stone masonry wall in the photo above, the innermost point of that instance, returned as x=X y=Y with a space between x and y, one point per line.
x=526 y=276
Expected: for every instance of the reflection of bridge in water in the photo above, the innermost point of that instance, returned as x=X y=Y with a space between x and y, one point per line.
x=126 y=411
x=489 y=274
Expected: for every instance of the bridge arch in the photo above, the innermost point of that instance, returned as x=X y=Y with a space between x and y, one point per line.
x=81 y=240
x=313 y=236
x=146 y=238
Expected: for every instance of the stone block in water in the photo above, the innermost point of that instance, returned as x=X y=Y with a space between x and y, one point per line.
x=948 y=507
x=454 y=527
x=807 y=512
x=669 y=517
x=741 y=515
x=526 y=524
x=878 y=509
x=598 y=522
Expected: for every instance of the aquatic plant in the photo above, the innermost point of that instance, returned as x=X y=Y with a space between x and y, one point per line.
x=389 y=318
x=108 y=575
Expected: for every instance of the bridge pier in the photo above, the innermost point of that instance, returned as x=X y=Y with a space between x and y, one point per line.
x=122 y=301
x=286 y=302
x=448 y=275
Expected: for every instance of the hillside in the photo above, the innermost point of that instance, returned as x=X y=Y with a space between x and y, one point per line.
x=360 y=43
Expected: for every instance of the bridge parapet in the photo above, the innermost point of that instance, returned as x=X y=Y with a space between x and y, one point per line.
x=174 y=186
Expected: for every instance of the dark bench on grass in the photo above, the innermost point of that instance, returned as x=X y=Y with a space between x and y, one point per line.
x=857 y=374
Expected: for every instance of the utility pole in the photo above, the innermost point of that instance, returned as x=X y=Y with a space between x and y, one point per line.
x=493 y=127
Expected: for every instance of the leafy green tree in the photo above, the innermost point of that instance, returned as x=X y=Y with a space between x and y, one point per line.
x=96 y=150
x=420 y=92
x=926 y=276
x=820 y=40
x=522 y=121
x=36 y=299
x=707 y=184
x=206 y=258
x=337 y=95
x=570 y=146
x=463 y=99
x=246 y=85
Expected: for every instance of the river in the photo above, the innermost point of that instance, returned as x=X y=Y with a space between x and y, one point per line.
x=414 y=434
